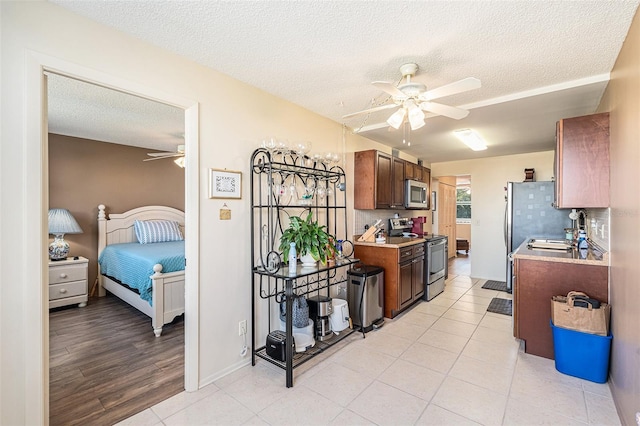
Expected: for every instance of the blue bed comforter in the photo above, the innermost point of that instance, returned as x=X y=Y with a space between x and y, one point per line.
x=132 y=263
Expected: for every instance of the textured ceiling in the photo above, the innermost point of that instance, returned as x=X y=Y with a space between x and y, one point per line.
x=538 y=61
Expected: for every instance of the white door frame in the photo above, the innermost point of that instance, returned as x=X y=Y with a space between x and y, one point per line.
x=36 y=236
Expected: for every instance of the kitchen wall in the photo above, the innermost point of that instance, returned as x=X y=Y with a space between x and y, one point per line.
x=233 y=118
x=463 y=230
x=622 y=99
x=489 y=177
x=85 y=173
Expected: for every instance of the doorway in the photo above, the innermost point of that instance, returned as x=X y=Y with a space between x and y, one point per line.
x=98 y=139
x=37 y=203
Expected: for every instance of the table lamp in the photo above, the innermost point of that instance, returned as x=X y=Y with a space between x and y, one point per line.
x=61 y=222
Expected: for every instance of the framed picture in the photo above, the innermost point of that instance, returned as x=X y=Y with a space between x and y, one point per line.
x=225 y=184
x=433 y=200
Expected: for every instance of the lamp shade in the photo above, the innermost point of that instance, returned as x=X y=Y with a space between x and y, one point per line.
x=62 y=222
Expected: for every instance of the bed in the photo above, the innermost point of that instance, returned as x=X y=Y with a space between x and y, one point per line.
x=163 y=297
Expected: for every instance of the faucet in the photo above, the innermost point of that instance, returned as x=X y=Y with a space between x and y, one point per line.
x=582 y=214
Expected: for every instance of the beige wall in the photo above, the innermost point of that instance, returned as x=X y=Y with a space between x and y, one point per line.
x=489 y=177
x=622 y=99
x=233 y=118
x=85 y=173
x=463 y=230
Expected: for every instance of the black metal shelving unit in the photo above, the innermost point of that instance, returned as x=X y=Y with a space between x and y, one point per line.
x=284 y=184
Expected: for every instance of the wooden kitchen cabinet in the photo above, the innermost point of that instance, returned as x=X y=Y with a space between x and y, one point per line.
x=403 y=273
x=536 y=281
x=412 y=171
x=582 y=162
x=417 y=172
x=379 y=182
x=426 y=176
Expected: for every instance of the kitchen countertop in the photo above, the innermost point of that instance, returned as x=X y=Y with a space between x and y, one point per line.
x=594 y=255
x=397 y=242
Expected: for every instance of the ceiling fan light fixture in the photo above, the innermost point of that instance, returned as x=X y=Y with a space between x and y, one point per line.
x=397 y=118
x=416 y=118
x=471 y=138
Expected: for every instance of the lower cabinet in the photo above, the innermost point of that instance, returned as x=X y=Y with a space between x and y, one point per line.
x=536 y=282
x=403 y=273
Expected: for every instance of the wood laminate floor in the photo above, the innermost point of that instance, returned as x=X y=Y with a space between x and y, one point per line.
x=106 y=364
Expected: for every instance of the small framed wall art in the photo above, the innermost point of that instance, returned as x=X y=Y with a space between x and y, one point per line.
x=225 y=184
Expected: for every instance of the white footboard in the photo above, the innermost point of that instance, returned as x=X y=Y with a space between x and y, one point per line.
x=168 y=297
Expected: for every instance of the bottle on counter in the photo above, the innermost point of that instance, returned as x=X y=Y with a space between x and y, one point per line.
x=582 y=240
x=293 y=259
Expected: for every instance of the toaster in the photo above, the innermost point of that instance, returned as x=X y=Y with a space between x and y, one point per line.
x=276 y=345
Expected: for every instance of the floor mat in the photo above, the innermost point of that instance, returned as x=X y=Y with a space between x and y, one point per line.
x=495 y=285
x=500 y=306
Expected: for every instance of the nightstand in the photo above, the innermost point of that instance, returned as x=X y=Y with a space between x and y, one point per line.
x=68 y=282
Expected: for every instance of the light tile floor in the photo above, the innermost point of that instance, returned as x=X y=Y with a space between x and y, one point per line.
x=444 y=362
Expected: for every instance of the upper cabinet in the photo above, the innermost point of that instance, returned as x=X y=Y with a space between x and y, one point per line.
x=379 y=180
x=582 y=162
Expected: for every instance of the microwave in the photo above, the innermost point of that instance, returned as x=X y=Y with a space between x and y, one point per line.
x=416 y=195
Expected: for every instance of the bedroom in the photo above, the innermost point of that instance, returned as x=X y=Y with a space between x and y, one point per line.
x=77 y=167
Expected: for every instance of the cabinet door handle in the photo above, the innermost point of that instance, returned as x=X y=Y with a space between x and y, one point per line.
x=63 y=290
x=63 y=275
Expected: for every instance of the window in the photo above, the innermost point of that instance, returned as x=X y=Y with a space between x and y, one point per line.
x=463 y=204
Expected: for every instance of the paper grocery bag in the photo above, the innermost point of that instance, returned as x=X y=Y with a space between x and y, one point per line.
x=587 y=320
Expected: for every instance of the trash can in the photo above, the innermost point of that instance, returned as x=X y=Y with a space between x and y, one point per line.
x=582 y=355
x=365 y=297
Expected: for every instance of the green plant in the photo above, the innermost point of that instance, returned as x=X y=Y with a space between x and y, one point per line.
x=309 y=236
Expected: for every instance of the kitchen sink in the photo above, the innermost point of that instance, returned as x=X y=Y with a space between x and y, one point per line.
x=545 y=244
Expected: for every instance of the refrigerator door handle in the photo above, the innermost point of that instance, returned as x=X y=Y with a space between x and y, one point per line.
x=504 y=229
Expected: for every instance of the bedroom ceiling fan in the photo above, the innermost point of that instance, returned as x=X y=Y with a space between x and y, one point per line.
x=413 y=99
x=179 y=152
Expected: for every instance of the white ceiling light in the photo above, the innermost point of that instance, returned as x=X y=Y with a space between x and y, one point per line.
x=471 y=138
x=416 y=115
x=397 y=118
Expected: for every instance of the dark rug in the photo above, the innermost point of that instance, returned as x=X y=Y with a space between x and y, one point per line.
x=495 y=285
x=500 y=306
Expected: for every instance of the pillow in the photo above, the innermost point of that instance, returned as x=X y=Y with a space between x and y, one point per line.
x=157 y=231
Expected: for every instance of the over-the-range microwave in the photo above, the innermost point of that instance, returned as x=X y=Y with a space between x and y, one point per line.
x=416 y=195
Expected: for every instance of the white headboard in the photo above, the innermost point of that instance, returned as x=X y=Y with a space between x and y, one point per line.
x=119 y=227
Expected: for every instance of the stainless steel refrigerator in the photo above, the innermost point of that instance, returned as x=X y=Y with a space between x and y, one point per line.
x=530 y=213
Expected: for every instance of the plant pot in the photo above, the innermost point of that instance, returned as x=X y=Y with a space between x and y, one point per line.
x=308 y=261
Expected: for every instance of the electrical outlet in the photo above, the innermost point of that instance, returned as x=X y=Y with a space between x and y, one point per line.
x=242 y=328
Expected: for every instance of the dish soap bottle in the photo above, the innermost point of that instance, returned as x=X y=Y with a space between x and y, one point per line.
x=293 y=259
x=582 y=240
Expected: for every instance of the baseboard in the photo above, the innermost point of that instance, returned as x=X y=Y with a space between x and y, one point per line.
x=225 y=372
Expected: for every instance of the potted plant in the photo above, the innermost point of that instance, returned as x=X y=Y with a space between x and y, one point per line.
x=311 y=239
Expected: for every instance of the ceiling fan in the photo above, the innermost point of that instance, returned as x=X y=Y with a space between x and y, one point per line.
x=179 y=152
x=413 y=99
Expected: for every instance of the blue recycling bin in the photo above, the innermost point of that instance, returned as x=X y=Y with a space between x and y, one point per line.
x=582 y=355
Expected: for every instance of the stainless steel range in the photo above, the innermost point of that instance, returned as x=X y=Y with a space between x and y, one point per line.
x=435 y=267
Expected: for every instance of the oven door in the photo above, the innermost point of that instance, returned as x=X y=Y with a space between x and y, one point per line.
x=437 y=260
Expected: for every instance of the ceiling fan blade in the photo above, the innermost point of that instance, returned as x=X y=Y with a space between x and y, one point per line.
x=446 y=110
x=385 y=86
x=161 y=155
x=371 y=127
x=459 y=86
x=380 y=108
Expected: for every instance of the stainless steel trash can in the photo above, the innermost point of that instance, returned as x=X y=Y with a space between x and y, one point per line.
x=365 y=297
